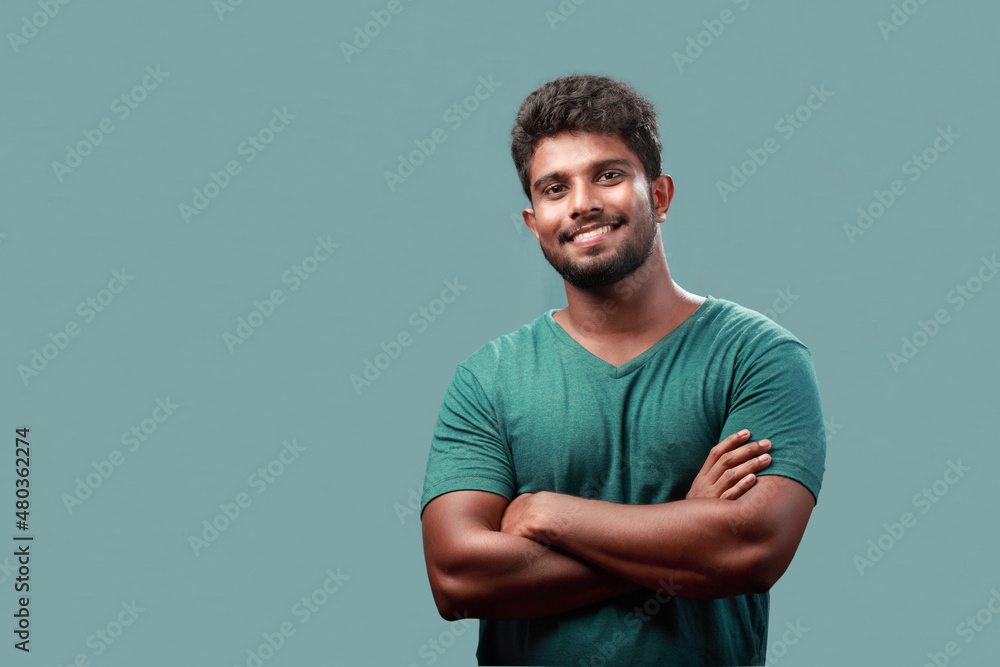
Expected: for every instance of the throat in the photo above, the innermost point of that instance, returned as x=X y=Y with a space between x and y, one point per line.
x=618 y=349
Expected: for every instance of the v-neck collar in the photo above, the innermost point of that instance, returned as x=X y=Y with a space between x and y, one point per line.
x=636 y=362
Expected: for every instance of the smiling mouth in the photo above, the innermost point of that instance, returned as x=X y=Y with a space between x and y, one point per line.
x=594 y=235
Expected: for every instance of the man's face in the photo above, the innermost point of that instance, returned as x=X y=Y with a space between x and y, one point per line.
x=582 y=182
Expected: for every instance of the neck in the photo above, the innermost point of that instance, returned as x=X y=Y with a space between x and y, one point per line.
x=643 y=303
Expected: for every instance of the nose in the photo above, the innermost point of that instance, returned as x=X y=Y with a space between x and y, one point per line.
x=585 y=200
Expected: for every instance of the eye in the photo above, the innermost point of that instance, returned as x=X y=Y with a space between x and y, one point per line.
x=552 y=189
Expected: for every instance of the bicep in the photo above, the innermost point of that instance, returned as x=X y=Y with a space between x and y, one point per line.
x=778 y=508
x=454 y=526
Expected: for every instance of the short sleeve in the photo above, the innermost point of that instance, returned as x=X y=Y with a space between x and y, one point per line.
x=467 y=450
x=776 y=396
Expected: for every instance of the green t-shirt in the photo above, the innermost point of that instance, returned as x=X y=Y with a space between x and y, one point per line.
x=534 y=410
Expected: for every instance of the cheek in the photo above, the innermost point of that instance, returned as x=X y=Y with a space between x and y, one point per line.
x=622 y=201
x=641 y=199
x=640 y=188
x=547 y=223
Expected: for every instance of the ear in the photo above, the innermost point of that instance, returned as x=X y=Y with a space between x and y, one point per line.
x=529 y=219
x=663 y=194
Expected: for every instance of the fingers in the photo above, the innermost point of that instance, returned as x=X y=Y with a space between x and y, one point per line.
x=735 y=479
x=721 y=449
x=743 y=454
x=731 y=443
x=740 y=488
x=731 y=467
x=735 y=470
x=731 y=453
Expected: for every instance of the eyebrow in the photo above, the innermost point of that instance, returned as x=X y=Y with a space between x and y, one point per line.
x=600 y=164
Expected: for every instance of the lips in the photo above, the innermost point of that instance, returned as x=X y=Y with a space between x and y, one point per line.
x=587 y=234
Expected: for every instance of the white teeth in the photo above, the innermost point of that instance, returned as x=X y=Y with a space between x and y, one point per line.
x=586 y=235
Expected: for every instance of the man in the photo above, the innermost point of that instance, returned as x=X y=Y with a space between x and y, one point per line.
x=591 y=492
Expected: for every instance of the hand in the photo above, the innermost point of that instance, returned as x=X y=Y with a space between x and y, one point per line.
x=517 y=516
x=729 y=470
x=535 y=516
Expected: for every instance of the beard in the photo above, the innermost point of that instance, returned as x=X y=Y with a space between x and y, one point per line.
x=632 y=252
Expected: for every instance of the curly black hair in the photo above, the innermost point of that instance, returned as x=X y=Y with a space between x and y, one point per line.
x=585 y=102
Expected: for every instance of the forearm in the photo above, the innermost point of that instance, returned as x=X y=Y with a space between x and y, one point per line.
x=707 y=548
x=499 y=576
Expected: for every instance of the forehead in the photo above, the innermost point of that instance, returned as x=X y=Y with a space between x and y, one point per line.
x=577 y=151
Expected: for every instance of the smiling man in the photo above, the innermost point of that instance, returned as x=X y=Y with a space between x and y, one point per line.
x=592 y=493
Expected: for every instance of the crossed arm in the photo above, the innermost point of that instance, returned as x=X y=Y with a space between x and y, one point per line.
x=545 y=553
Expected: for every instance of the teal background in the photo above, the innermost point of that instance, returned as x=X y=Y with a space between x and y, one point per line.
x=338 y=505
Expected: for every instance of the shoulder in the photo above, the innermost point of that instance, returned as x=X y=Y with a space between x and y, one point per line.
x=511 y=348
x=508 y=357
x=747 y=330
x=750 y=343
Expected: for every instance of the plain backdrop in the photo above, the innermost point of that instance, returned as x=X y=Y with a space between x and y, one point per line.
x=264 y=267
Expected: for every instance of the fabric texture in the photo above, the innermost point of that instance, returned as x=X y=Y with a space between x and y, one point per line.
x=534 y=410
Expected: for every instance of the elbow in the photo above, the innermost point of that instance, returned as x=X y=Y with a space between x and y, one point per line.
x=446 y=598
x=462 y=587
x=744 y=576
x=761 y=580
x=762 y=551
x=763 y=567
x=453 y=596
